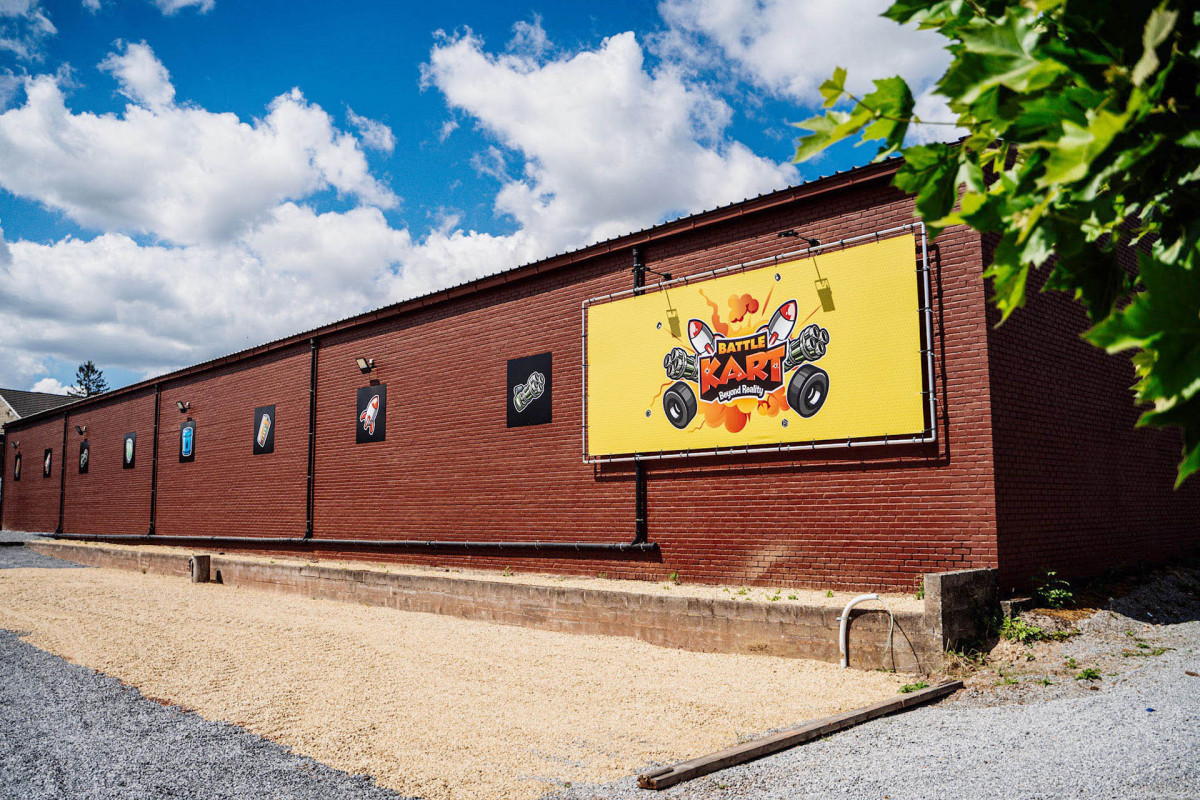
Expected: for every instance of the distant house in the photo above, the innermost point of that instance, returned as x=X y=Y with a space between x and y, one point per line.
x=15 y=404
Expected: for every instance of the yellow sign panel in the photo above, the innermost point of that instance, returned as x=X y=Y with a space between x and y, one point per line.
x=826 y=347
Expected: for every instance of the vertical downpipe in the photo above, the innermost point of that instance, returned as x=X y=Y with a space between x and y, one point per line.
x=641 y=533
x=154 y=461
x=62 y=477
x=312 y=438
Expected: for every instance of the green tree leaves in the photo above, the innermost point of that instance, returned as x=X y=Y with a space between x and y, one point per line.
x=1083 y=140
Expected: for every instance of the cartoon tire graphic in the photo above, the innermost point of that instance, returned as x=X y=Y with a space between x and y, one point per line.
x=807 y=390
x=679 y=402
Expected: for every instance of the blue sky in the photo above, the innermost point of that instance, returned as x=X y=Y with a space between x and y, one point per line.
x=183 y=178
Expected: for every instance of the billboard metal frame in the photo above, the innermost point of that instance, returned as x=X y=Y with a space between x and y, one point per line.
x=925 y=309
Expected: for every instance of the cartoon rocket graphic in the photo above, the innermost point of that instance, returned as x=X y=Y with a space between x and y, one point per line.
x=367 y=418
x=782 y=322
x=264 y=427
x=701 y=336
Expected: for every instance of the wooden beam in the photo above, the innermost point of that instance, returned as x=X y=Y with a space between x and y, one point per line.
x=749 y=751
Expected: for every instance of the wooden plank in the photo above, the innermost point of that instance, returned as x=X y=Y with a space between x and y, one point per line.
x=739 y=754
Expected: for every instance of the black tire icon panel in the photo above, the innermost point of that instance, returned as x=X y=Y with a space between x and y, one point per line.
x=679 y=403
x=807 y=390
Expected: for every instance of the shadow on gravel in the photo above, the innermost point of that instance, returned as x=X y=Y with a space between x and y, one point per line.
x=69 y=732
x=22 y=558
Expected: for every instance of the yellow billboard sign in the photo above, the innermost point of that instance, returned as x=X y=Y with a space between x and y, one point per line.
x=826 y=347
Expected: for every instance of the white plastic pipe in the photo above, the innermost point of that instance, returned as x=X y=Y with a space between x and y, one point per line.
x=845 y=619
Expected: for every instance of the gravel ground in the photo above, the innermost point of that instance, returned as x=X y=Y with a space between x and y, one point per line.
x=22 y=558
x=12 y=537
x=68 y=732
x=1133 y=733
x=429 y=705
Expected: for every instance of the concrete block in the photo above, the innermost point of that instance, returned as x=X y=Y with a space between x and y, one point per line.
x=959 y=606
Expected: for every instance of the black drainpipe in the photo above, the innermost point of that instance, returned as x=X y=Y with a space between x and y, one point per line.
x=641 y=531
x=312 y=438
x=154 y=462
x=62 y=477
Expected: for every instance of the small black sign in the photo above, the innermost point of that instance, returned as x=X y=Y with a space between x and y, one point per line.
x=187 y=442
x=264 y=430
x=85 y=455
x=372 y=414
x=17 y=467
x=129 y=451
x=47 y=462
x=528 y=390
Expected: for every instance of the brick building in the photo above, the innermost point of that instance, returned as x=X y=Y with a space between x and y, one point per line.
x=1035 y=462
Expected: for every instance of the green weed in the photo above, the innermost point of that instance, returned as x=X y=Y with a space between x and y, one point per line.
x=1053 y=592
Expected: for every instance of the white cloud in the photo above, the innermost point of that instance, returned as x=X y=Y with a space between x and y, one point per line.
x=91 y=5
x=491 y=162
x=50 y=386
x=791 y=46
x=592 y=145
x=182 y=174
x=170 y=7
x=529 y=38
x=155 y=308
x=141 y=76
x=24 y=26
x=5 y=253
x=608 y=146
x=374 y=135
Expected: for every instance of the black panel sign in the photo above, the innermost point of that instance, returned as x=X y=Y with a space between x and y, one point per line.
x=85 y=455
x=187 y=442
x=264 y=430
x=528 y=390
x=129 y=451
x=372 y=414
x=17 y=467
x=47 y=463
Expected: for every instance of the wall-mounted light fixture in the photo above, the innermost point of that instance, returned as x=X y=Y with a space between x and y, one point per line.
x=365 y=365
x=81 y=429
x=182 y=406
x=16 y=445
x=793 y=234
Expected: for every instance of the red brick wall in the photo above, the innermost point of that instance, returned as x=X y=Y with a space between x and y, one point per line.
x=31 y=504
x=1078 y=488
x=110 y=499
x=227 y=490
x=450 y=469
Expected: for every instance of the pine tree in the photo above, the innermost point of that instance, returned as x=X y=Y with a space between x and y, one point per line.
x=89 y=380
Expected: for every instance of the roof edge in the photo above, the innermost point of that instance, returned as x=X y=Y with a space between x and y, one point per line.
x=764 y=202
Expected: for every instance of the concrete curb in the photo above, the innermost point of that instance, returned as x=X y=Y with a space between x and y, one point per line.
x=702 y=625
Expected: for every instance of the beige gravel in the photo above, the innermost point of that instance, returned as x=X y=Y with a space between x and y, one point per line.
x=782 y=594
x=429 y=705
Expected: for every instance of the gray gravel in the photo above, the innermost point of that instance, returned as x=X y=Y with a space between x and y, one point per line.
x=21 y=557
x=16 y=537
x=1097 y=744
x=67 y=732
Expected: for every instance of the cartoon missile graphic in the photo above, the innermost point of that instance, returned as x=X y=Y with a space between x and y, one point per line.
x=47 y=465
x=264 y=428
x=782 y=322
x=367 y=418
x=701 y=336
x=128 y=449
